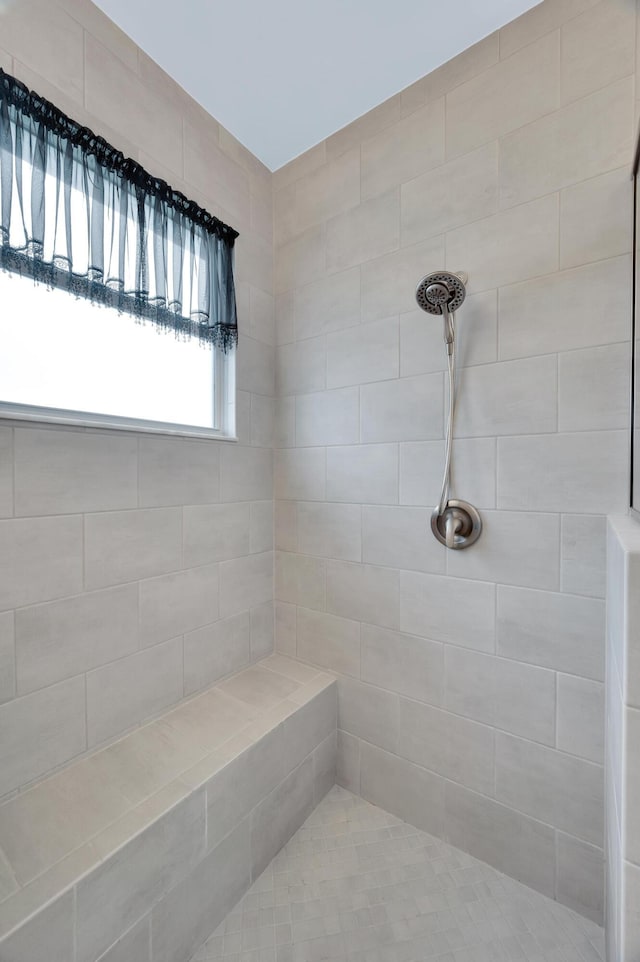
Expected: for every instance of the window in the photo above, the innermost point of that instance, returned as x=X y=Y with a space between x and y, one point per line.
x=147 y=341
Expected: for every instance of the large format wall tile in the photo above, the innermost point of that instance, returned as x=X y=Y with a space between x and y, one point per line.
x=216 y=650
x=367 y=231
x=301 y=474
x=581 y=717
x=55 y=50
x=516 y=844
x=458 y=192
x=301 y=366
x=584 y=472
x=363 y=593
x=407 y=409
x=454 y=747
x=215 y=532
x=178 y=472
x=174 y=604
x=583 y=554
x=118 y=97
x=41 y=731
x=411 y=666
x=329 y=641
x=278 y=816
x=127 y=884
x=184 y=918
x=129 y=545
x=508 y=695
x=365 y=473
x=562 y=312
x=330 y=530
x=405 y=150
x=584 y=139
x=136 y=687
x=580 y=874
x=40 y=559
x=559 y=631
x=516 y=548
x=397 y=785
x=397 y=536
x=50 y=935
x=6 y=472
x=363 y=354
x=473 y=471
x=245 y=583
x=515 y=397
x=7 y=657
x=329 y=304
x=246 y=474
x=369 y=713
x=448 y=609
x=559 y=789
x=470 y=62
x=328 y=417
x=508 y=95
x=606 y=405
x=300 y=580
x=65 y=638
x=135 y=946
x=540 y=20
x=507 y=247
x=594 y=218
x=65 y=472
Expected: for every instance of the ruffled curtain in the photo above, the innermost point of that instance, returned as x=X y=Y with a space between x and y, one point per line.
x=75 y=213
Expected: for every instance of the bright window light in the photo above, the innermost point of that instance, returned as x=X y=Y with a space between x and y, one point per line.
x=61 y=352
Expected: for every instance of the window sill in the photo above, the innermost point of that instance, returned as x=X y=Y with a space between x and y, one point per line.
x=78 y=419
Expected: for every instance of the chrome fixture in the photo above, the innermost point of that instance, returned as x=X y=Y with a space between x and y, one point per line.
x=456 y=524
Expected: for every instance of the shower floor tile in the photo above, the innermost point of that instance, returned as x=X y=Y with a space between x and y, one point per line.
x=355 y=883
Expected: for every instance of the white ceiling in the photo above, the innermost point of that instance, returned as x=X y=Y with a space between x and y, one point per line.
x=283 y=75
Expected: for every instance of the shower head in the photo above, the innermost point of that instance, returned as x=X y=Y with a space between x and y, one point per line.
x=440 y=293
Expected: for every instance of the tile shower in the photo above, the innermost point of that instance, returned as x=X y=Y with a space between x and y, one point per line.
x=138 y=572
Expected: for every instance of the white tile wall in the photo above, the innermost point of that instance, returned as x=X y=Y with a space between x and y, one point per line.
x=510 y=163
x=622 y=768
x=57 y=640
x=365 y=473
x=411 y=666
x=364 y=353
x=582 y=554
x=448 y=609
x=407 y=409
x=562 y=312
x=113 y=544
x=41 y=731
x=138 y=686
x=216 y=650
x=490 y=104
x=559 y=631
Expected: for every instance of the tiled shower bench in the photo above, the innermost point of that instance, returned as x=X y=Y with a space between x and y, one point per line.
x=136 y=852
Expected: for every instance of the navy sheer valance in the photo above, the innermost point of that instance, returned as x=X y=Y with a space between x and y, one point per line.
x=76 y=213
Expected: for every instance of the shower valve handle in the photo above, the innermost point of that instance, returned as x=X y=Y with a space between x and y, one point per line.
x=453 y=522
x=458 y=526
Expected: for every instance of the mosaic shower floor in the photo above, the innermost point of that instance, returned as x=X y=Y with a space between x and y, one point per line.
x=355 y=883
